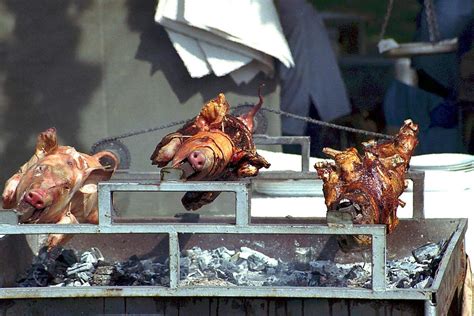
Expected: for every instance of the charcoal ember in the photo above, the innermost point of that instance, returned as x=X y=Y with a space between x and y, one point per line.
x=93 y=256
x=242 y=265
x=37 y=275
x=404 y=283
x=239 y=279
x=140 y=272
x=229 y=266
x=407 y=273
x=48 y=268
x=303 y=257
x=223 y=253
x=223 y=267
x=397 y=275
x=426 y=252
x=255 y=263
x=328 y=280
x=357 y=276
x=80 y=267
x=426 y=283
x=319 y=266
x=299 y=278
x=274 y=280
x=282 y=267
x=76 y=283
x=204 y=260
x=184 y=264
x=434 y=263
x=255 y=278
x=103 y=275
x=81 y=273
x=206 y=282
x=271 y=271
x=257 y=257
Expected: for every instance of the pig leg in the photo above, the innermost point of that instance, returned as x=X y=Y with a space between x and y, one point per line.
x=9 y=193
x=195 y=200
x=166 y=149
x=250 y=165
x=55 y=240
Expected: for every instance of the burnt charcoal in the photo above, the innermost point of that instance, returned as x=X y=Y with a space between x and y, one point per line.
x=255 y=263
x=258 y=258
x=271 y=271
x=37 y=276
x=225 y=267
x=426 y=283
x=303 y=257
x=356 y=272
x=426 y=252
x=103 y=275
x=319 y=266
x=67 y=257
x=79 y=268
x=403 y=283
x=139 y=272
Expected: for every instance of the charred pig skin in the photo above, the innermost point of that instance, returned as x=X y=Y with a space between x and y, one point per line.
x=372 y=183
x=213 y=146
x=58 y=185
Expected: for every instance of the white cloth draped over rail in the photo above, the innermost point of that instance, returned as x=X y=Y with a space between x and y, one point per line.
x=236 y=37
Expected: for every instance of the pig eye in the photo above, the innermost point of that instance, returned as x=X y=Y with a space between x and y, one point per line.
x=67 y=185
x=41 y=168
x=70 y=163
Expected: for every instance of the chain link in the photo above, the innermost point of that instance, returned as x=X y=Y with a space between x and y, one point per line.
x=140 y=132
x=432 y=21
x=278 y=112
x=386 y=19
x=430 y=15
x=326 y=124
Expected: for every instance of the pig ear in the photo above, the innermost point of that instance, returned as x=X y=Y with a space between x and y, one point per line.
x=47 y=141
x=108 y=164
x=107 y=159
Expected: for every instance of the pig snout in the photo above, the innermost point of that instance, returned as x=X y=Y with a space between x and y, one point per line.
x=197 y=159
x=36 y=198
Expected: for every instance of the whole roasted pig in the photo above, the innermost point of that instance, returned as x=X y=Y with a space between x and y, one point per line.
x=213 y=146
x=368 y=187
x=58 y=185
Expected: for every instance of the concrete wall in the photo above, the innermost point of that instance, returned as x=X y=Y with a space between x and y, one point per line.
x=97 y=68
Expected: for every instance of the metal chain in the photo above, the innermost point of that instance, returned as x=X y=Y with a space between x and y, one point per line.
x=326 y=124
x=432 y=21
x=386 y=19
x=142 y=131
x=279 y=112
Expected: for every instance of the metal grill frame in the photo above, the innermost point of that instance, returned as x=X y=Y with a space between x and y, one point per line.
x=443 y=285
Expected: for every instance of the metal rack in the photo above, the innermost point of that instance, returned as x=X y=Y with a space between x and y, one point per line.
x=435 y=299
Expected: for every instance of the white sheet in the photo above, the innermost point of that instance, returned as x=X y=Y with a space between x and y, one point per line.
x=240 y=37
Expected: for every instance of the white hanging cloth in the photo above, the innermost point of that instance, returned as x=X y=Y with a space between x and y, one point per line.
x=236 y=37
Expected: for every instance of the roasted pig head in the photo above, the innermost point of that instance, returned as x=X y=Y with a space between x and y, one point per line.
x=213 y=146
x=58 y=185
x=368 y=187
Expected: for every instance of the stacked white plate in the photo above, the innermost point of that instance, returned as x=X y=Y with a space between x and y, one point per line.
x=288 y=162
x=290 y=187
x=446 y=172
x=443 y=162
